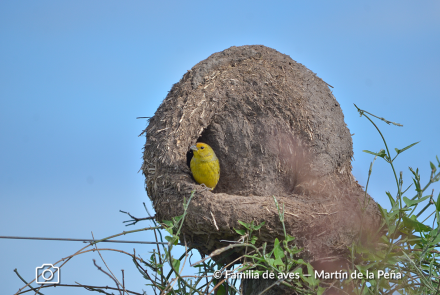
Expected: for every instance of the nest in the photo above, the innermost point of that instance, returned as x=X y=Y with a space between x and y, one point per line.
x=278 y=131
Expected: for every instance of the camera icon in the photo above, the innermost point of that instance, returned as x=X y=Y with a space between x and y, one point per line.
x=47 y=274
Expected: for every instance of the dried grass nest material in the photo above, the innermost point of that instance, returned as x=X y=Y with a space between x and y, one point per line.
x=277 y=131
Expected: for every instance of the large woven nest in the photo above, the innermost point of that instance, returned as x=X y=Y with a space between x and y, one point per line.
x=277 y=131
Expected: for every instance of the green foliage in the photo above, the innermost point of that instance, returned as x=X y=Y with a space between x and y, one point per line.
x=279 y=259
x=403 y=245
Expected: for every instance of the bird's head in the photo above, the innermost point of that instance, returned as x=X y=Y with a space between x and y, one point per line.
x=202 y=150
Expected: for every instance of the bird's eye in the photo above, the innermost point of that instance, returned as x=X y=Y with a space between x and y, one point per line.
x=202 y=147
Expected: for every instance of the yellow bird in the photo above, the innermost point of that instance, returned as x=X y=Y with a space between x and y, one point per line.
x=205 y=166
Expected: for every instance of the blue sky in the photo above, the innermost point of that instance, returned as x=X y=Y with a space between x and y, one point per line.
x=74 y=75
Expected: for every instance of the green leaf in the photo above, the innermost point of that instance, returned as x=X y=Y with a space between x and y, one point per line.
x=392 y=228
x=437 y=239
x=258 y=259
x=169 y=230
x=411 y=223
x=312 y=281
x=384 y=213
x=437 y=204
x=289 y=238
x=417 y=184
x=410 y=203
x=241 y=232
x=321 y=290
x=176 y=264
x=278 y=253
x=433 y=167
x=172 y=240
x=246 y=225
x=437 y=216
x=178 y=218
x=381 y=153
x=391 y=199
x=292 y=250
x=153 y=257
x=271 y=262
x=221 y=290
x=369 y=152
x=168 y=223
x=301 y=261
x=405 y=148
x=260 y=225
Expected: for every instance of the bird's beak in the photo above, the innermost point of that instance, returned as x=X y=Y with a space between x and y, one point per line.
x=194 y=148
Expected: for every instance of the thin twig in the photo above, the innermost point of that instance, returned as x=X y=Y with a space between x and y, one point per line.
x=144 y=271
x=221 y=250
x=100 y=268
x=114 y=277
x=81 y=240
x=123 y=281
x=128 y=232
x=91 y=288
x=135 y=219
x=82 y=286
x=160 y=258
x=32 y=288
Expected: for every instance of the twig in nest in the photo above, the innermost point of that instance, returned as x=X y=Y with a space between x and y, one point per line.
x=288 y=213
x=213 y=218
x=327 y=213
x=321 y=233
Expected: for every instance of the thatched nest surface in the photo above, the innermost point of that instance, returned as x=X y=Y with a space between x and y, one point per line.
x=277 y=131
